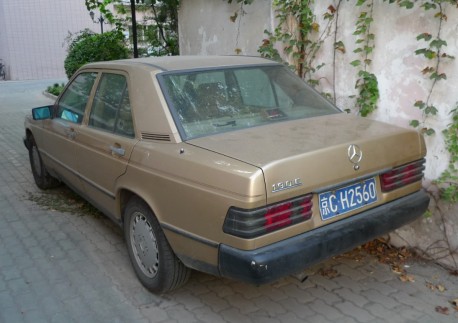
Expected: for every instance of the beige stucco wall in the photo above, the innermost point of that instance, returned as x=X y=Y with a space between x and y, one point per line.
x=205 y=27
x=32 y=35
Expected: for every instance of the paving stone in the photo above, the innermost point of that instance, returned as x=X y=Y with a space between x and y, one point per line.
x=35 y=316
x=289 y=318
x=355 y=312
x=245 y=306
x=347 y=282
x=348 y=295
x=216 y=303
x=327 y=283
x=6 y=300
x=331 y=313
x=234 y=315
x=302 y=311
x=26 y=302
x=328 y=297
x=378 y=298
x=404 y=298
x=11 y=314
x=301 y=296
x=272 y=308
x=384 y=289
x=383 y=313
x=203 y=315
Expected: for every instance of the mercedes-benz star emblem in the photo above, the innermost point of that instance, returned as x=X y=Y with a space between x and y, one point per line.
x=355 y=155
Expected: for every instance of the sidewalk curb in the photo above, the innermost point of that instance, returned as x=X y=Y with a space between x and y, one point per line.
x=49 y=95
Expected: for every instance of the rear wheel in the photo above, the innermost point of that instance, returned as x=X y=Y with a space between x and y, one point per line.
x=40 y=175
x=154 y=261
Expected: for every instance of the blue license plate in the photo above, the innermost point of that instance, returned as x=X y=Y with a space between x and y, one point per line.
x=346 y=199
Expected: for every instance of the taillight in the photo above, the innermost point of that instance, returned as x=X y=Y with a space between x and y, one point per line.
x=254 y=223
x=402 y=176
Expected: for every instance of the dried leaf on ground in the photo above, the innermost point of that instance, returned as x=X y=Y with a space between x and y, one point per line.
x=442 y=310
x=328 y=272
x=355 y=254
x=430 y=286
x=438 y=287
x=441 y=288
x=396 y=269
x=455 y=304
x=407 y=278
x=386 y=253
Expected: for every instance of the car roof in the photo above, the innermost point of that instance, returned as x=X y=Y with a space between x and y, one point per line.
x=175 y=63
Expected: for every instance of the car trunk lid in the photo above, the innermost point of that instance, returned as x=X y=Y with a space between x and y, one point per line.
x=311 y=155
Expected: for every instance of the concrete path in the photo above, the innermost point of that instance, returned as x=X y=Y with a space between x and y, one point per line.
x=61 y=267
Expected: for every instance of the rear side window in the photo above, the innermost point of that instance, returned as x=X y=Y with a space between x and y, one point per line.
x=255 y=81
x=73 y=102
x=111 y=109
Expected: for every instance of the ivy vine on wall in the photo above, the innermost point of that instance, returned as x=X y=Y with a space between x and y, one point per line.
x=435 y=55
x=300 y=36
x=366 y=84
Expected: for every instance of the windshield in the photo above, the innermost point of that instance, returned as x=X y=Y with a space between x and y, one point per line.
x=205 y=102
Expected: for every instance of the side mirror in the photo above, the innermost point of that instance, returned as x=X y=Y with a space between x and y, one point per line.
x=42 y=113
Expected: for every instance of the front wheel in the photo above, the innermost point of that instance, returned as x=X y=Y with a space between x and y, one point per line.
x=40 y=175
x=154 y=261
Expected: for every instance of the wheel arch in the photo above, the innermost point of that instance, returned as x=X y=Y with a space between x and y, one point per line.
x=124 y=195
x=27 y=138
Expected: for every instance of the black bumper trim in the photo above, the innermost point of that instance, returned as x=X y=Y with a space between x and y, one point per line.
x=292 y=255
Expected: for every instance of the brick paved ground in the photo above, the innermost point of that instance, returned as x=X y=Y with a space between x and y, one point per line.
x=59 y=267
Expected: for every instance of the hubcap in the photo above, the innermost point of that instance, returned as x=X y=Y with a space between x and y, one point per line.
x=144 y=245
x=36 y=160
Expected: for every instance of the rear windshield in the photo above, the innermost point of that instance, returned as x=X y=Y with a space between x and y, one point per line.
x=211 y=101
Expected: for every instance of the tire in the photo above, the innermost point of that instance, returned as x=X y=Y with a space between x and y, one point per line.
x=155 y=264
x=40 y=174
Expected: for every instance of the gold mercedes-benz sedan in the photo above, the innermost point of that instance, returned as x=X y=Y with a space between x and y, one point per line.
x=228 y=165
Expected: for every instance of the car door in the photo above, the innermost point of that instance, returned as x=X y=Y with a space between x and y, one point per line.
x=106 y=142
x=60 y=144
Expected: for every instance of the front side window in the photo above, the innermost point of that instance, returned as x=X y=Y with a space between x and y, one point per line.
x=111 y=110
x=73 y=102
x=206 y=102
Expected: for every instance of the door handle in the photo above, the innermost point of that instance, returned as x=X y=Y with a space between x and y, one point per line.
x=118 y=150
x=71 y=133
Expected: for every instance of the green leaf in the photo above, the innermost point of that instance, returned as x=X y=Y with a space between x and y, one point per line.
x=407 y=4
x=438 y=43
x=414 y=123
x=420 y=104
x=428 y=6
x=368 y=49
x=437 y=77
x=430 y=109
x=425 y=36
x=356 y=62
x=430 y=132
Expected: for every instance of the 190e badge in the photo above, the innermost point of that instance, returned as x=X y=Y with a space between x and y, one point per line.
x=286 y=185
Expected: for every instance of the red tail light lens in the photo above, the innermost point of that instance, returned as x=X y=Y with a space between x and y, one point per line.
x=402 y=176
x=254 y=223
x=278 y=216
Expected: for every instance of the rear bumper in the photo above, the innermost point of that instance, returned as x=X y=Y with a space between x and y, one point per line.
x=292 y=255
